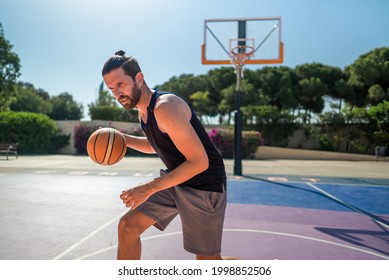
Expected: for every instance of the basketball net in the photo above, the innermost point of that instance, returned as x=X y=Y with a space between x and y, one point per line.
x=239 y=55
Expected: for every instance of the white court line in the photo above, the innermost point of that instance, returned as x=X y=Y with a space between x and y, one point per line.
x=107 y=174
x=75 y=245
x=46 y=171
x=143 y=174
x=115 y=246
x=347 y=205
x=250 y=231
x=347 y=184
x=78 y=173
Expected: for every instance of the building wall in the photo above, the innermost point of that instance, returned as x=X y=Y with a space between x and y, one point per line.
x=297 y=140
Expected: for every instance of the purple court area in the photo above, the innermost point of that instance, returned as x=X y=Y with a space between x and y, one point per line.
x=293 y=221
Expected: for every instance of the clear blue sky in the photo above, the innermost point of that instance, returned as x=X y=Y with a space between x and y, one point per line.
x=63 y=44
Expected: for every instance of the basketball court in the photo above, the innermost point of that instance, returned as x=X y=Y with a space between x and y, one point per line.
x=66 y=207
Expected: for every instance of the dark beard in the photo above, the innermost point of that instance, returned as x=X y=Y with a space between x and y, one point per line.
x=135 y=97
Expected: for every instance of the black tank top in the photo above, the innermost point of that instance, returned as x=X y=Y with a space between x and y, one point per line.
x=212 y=179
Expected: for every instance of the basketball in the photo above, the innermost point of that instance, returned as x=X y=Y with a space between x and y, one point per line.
x=106 y=146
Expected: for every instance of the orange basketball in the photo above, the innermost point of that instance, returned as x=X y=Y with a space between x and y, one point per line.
x=106 y=146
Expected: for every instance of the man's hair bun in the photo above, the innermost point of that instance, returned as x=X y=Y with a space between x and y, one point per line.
x=119 y=59
x=121 y=53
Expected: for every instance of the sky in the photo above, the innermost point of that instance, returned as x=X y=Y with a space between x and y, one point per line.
x=63 y=44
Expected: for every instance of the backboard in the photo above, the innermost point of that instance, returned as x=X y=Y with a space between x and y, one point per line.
x=255 y=40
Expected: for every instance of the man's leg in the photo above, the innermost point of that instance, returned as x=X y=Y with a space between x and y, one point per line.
x=131 y=226
x=202 y=215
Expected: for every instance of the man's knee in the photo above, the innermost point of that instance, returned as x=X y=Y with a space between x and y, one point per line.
x=127 y=227
x=133 y=224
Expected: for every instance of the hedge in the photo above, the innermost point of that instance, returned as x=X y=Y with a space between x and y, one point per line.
x=81 y=136
x=34 y=132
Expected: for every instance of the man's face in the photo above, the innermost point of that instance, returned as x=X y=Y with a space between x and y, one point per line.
x=123 y=88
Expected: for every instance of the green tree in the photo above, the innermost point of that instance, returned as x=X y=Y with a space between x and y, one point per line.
x=105 y=99
x=65 y=108
x=316 y=81
x=200 y=101
x=342 y=91
x=9 y=72
x=185 y=85
x=28 y=99
x=275 y=124
x=227 y=105
x=111 y=113
x=378 y=117
x=278 y=84
x=219 y=79
x=213 y=82
x=311 y=96
x=376 y=94
x=369 y=78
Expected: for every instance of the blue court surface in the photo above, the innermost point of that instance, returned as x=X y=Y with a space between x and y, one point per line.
x=370 y=198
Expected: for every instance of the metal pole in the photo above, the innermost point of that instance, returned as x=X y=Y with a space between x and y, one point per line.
x=238 y=112
x=238 y=124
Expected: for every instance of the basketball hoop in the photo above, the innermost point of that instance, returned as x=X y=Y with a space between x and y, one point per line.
x=240 y=42
x=240 y=54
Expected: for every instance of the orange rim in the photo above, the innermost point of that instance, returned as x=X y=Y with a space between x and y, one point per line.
x=236 y=51
x=279 y=60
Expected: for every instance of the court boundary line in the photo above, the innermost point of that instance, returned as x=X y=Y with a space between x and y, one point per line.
x=379 y=221
x=248 y=231
x=78 y=243
x=349 y=184
x=252 y=178
x=360 y=211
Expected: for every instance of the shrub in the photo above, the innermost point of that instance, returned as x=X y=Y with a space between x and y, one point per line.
x=112 y=113
x=325 y=143
x=104 y=112
x=34 y=132
x=59 y=141
x=251 y=141
x=81 y=136
x=223 y=139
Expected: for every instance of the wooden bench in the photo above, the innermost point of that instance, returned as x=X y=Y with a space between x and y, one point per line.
x=9 y=148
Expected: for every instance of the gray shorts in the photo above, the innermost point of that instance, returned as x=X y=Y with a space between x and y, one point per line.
x=201 y=212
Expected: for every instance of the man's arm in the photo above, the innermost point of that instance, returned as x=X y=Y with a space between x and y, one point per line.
x=173 y=117
x=140 y=144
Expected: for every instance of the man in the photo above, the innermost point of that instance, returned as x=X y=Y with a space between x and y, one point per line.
x=194 y=185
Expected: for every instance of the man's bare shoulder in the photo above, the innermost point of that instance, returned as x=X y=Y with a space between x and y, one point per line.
x=170 y=103
x=170 y=109
x=169 y=99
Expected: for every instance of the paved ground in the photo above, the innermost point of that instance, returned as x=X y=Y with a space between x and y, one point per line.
x=67 y=207
x=330 y=168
